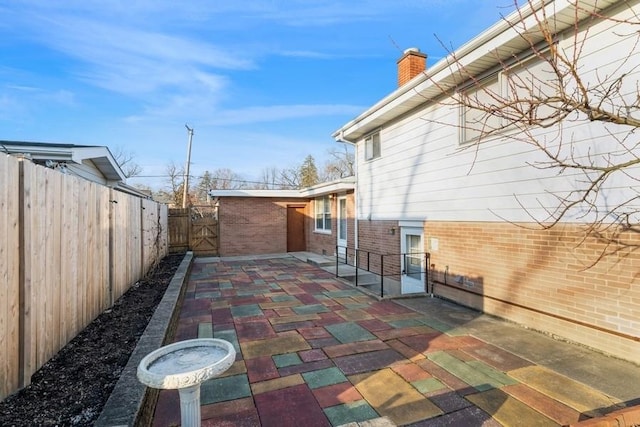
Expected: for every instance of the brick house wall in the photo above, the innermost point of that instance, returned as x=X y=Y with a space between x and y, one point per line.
x=325 y=243
x=380 y=238
x=252 y=225
x=320 y=242
x=540 y=278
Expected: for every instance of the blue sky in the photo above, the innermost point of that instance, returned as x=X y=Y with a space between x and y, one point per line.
x=263 y=83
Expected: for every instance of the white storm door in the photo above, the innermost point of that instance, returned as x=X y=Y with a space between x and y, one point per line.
x=413 y=268
x=342 y=225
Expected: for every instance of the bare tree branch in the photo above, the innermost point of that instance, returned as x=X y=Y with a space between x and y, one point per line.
x=534 y=96
x=125 y=160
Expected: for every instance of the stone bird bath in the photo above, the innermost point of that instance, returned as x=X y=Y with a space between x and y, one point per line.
x=185 y=365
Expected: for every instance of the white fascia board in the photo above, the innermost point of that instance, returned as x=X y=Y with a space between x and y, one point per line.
x=99 y=155
x=506 y=33
x=339 y=186
x=102 y=158
x=37 y=152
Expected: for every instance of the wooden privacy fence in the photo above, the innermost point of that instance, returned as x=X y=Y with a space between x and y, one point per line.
x=68 y=249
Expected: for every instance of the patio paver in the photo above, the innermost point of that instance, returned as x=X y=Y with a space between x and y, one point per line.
x=563 y=389
x=293 y=406
x=393 y=397
x=283 y=343
x=313 y=351
x=352 y=412
x=349 y=332
x=324 y=377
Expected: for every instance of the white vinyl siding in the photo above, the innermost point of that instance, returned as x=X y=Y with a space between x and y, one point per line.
x=323 y=214
x=426 y=175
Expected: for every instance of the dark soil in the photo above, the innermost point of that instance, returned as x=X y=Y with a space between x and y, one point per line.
x=72 y=388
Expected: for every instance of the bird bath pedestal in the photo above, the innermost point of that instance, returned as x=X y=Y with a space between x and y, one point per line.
x=184 y=365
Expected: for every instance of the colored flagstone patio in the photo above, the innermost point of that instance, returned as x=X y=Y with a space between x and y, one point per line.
x=314 y=351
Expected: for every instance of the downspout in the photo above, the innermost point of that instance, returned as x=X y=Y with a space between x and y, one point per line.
x=340 y=138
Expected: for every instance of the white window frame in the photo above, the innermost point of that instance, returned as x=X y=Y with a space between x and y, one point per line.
x=372 y=149
x=526 y=59
x=527 y=64
x=493 y=79
x=322 y=214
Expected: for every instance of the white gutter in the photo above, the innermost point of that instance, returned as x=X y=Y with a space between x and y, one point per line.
x=482 y=46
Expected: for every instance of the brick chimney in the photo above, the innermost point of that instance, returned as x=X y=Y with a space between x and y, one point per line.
x=412 y=63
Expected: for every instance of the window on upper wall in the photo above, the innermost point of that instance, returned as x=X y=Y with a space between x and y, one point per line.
x=323 y=214
x=479 y=102
x=372 y=147
x=531 y=87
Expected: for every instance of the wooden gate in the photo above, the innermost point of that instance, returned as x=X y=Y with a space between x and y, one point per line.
x=194 y=229
x=204 y=236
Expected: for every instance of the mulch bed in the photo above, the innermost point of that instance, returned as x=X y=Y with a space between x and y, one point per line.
x=72 y=388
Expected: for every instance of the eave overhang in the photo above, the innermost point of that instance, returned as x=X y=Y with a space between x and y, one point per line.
x=507 y=38
x=100 y=156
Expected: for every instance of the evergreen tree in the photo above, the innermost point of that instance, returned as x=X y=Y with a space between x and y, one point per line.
x=308 y=172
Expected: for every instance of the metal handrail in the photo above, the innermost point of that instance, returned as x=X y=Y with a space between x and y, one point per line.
x=356 y=264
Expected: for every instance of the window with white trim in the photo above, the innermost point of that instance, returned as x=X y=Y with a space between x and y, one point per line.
x=323 y=214
x=372 y=147
x=531 y=88
x=519 y=95
x=478 y=104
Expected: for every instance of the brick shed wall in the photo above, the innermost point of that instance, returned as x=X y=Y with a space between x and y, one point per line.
x=537 y=278
x=252 y=225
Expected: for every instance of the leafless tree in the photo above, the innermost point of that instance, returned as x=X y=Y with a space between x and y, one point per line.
x=125 y=160
x=553 y=85
x=290 y=178
x=226 y=179
x=269 y=179
x=219 y=179
x=340 y=164
x=175 y=179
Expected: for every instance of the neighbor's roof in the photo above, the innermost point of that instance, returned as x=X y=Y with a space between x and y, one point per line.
x=100 y=156
x=337 y=186
x=484 y=52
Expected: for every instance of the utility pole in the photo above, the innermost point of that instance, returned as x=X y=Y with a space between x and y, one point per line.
x=185 y=192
